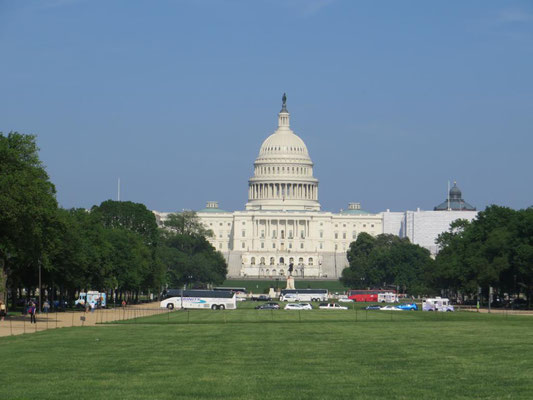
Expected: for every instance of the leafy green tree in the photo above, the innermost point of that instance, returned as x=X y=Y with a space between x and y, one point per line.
x=187 y=254
x=493 y=250
x=386 y=261
x=27 y=210
x=187 y=223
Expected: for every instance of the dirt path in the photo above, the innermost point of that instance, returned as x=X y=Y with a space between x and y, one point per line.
x=20 y=324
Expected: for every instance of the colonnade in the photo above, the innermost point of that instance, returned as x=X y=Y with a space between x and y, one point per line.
x=306 y=191
x=281 y=228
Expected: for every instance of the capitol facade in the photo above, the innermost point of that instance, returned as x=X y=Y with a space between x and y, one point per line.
x=283 y=230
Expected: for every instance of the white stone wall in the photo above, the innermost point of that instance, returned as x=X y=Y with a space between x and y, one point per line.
x=422 y=227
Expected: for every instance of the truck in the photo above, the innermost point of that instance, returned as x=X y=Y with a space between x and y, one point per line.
x=99 y=299
x=437 y=304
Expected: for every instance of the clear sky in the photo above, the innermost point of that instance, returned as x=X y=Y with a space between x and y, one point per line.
x=392 y=98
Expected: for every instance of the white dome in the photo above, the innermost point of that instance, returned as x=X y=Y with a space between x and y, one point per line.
x=283 y=172
x=282 y=144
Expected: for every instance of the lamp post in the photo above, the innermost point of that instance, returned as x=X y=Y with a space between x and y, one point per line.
x=39 y=262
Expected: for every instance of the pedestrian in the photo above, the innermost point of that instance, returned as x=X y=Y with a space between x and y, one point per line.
x=92 y=306
x=46 y=306
x=3 y=311
x=123 y=303
x=31 y=311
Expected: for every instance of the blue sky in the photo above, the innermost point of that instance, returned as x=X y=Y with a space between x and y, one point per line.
x=393 y=98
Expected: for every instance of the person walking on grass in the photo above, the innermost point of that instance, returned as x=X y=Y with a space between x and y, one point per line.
x=32 y=310
x=3 y=311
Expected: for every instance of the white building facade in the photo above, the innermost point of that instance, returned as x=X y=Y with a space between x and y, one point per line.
x=282 y=229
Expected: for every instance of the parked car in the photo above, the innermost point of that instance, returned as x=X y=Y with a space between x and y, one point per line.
x=274 y=304
x=267 y=306
x=331 y=306
x=390 y=308
x=408 y=306
x=261 y=297
x=345 y=300
x=374 y=307
x=289 y=297
x=298 y=306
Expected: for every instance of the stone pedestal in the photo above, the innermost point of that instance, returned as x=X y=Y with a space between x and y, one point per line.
x=290 y=282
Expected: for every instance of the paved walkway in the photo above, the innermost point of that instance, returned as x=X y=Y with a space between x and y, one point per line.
x=20 y=324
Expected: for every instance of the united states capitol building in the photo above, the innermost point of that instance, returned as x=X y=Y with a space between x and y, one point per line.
x=283 y=230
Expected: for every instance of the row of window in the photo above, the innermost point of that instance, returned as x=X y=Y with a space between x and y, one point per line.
x=282 y=170
x=281 y=261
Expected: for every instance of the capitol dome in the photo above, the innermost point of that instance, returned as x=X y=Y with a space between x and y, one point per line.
x=283 y=172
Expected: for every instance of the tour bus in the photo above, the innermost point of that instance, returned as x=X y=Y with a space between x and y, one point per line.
x=373 y=295
x=304 y=295
x=202 y=299
x=437 y=304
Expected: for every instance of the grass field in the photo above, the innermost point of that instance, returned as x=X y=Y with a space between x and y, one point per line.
x=259 y=286
x=254 y=354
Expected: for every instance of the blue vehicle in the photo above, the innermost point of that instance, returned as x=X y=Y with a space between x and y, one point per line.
x=407 y=307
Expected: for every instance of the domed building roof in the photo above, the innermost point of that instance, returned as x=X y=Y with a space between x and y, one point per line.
x=455 y=201
x=283 y=172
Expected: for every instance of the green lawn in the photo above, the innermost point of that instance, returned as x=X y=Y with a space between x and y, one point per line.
x=259 y=286
x=253 y=354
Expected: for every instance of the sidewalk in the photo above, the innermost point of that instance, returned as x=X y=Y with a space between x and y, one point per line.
x=20 y=324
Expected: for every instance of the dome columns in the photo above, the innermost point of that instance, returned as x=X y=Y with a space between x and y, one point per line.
x=283 y=191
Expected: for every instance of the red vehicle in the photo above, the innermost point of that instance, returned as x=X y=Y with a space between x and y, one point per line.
x=373 y=295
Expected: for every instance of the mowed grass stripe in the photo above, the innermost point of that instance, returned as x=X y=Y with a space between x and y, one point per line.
x=418 y=355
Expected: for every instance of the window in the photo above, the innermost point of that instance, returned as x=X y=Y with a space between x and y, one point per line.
x=291 y=260
x=282 y=234
x=336 y=247
x=336 y=225
x=271 y=260
x=344 y=225
x=290 y=234
x=301 y=245
x=282 y=261
x=290 y=245
x=262 y=234
x=244 y=223
x=243 y=245
x=321 y=245
x=310 y=262
x=243 y=233
x=262 y=261
x=321 y=234
x=273 y=245
x=336 y=235
x=262 y=245
x=220 y=246
x=274 y=234
x=372 y=225
x=364 y=225
x=221 y=224
x=344 y=235
x=354 y=235
x=302 y=234
x=253 y=261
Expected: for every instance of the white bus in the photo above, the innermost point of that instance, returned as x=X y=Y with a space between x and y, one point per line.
x=202 y=299
x=304 y=295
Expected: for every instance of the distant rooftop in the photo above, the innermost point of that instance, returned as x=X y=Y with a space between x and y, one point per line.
x=455 y=201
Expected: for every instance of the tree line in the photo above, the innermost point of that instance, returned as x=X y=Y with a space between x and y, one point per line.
x=495 y=250
x=115 y=247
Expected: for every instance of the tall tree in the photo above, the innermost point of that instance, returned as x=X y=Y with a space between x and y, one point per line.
x=27 y=209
